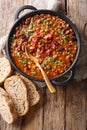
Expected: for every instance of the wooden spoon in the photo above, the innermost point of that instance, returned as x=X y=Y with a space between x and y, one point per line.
x=35 y=60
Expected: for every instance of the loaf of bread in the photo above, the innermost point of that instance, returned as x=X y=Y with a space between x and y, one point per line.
x=33 y=94
x=5 y=69
x=18 y=92
x=7 y=109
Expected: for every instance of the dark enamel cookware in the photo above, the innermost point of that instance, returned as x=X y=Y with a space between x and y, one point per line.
x=70 y=70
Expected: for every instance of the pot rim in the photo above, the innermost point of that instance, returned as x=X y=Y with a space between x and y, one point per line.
x=60 y=15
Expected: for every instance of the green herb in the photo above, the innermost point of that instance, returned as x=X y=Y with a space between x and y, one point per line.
x=60 y=31
x=49 y=25
x=45 y=62
x=58 y=61
x=66 y=39
x=27 y=34
x=24 y=61
x=30 y=34
x=13 y=37
x=51 y=59
x=42 y=21
x=42 y=43
x=34 y=73
x=68 y=53
x=19 y=54
x=31 y=26
x=48 y=67
x=24 y=31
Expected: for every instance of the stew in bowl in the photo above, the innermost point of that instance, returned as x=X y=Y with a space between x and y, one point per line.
x=47 y=37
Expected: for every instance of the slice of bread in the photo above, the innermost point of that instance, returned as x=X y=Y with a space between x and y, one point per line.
x=33 y=94
x=7 y=109
x=5 y=69
x=18 y=92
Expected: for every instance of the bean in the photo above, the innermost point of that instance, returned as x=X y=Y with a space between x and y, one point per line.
x=32 y=47
x=67 y=25
x=55 y=56
x=14 y=44
x=67 y=32
x=23 y=48
x=67 y=57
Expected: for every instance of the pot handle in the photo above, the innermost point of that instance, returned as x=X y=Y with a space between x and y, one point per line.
x=23 y=8
x=62 y=83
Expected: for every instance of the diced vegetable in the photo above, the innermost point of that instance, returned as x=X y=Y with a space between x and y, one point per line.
x=34 y=73
x=43 y=43
x=49 y=25
x=31 y=25
x=48 y=67
x=51 y=59
x=60 y=31
x=45 y=62
x=24 y=61
x=58 y=61
x=68 y=53
x=66 y=39
x=42 y=21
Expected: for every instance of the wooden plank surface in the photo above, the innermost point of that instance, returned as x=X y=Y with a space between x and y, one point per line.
x=67 y=109
x=54 y=110
x=75 y=105
x=76 y=93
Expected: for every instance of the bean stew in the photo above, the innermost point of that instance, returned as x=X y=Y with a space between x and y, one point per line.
x=50 y=39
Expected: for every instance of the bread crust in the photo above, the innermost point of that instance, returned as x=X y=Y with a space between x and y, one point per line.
x=7 y=109
x=18 y=92
x=33 y=94
x=5 y=69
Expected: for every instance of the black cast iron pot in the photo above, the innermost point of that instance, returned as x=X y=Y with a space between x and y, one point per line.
x=34 y=11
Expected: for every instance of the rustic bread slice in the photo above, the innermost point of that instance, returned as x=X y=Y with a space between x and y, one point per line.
x=18 y=92
x=5 y=69
x=7 y=109
x=33 y=94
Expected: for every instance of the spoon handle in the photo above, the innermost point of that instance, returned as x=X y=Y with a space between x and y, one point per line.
x=49 y=85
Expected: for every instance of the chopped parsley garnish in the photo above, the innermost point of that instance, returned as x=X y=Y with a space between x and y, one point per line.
x=43 y=43
x=24 y=61
x=48 y=67
x=31 y=25
x=49 y=25
x=45 y=62
x=34 y=73
x=58 y=61
x=42 y=21
x=30 y=34
x=68 y=53
x=60 y=31
x=66 y=39
x=19 y=54
x=24 y=31
x=50 y=59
